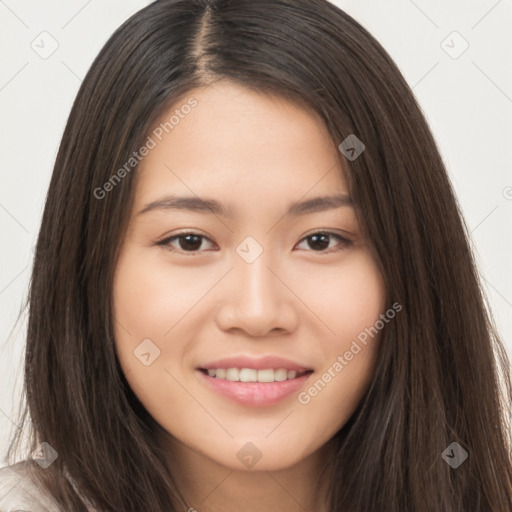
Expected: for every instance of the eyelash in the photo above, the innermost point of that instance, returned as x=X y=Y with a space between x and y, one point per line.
x=343 y=242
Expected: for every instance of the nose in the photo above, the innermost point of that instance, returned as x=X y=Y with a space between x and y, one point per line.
x=257 y=299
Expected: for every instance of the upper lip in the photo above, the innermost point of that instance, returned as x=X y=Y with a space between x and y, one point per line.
x=260 y=363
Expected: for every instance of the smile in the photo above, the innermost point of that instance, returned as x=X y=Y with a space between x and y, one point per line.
x=253 y=375
x=254 y=393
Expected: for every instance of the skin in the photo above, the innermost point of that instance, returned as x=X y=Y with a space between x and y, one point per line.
x=258 y=154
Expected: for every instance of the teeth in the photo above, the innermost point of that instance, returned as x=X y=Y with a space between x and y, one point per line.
x=252 y=375
x=233 y=374
x=248 y=375
x=266 y=375
x=280 y=375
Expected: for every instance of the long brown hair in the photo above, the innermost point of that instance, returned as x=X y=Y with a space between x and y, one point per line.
x=442 y=374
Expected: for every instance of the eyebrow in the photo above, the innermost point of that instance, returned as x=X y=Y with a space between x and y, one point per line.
x=212 y=206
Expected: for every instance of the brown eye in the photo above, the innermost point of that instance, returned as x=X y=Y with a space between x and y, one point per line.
x=321 y=242
x=186 y=242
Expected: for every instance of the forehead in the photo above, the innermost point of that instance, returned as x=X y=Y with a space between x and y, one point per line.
x=237 y=143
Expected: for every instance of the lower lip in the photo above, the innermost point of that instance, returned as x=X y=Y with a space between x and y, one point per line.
x=255 y=394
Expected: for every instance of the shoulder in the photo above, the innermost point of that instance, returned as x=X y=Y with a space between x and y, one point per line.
x=18 y=491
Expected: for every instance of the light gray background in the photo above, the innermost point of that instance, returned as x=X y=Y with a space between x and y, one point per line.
x=467 y=101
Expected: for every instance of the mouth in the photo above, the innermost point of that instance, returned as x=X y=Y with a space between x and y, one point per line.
x=252 y=387
x=266 y=375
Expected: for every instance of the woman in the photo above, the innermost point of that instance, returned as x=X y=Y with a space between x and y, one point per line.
x=253 y=288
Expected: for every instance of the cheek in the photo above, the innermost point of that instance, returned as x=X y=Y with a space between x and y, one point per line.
x=147 y=305
x=154 y=302
x=347 y=298
x=144 y=309
x=150 y=298
x=350 y=348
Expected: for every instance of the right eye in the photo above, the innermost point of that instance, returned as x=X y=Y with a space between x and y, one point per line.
x=187 y=242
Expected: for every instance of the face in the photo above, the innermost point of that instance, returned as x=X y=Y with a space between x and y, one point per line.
x=267 y=289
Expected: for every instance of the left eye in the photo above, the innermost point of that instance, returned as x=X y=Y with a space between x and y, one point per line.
x=319 y=241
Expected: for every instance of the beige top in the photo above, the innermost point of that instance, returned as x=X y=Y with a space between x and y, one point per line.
x=19 y=492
